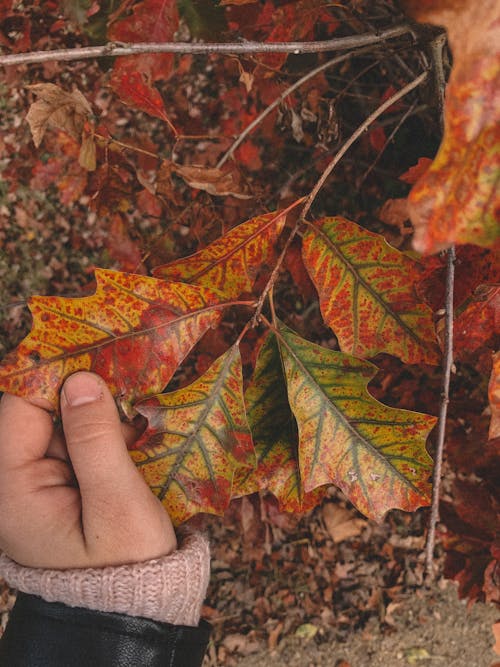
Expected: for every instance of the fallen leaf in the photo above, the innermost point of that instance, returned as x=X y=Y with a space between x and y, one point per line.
x=416 y=654
x=306 y=631
x=341 y=523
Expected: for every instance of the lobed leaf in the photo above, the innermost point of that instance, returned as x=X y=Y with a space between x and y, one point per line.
x=366 y=291
x=274 y=432
x=134 y=331
x=230 y=264
x=196 y=438
x=375 y=454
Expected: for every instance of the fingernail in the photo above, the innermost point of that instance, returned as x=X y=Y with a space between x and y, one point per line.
x=81 y=388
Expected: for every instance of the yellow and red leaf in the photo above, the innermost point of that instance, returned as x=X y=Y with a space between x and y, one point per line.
x=367 y=292
x=195 y=440
x=231 y=263
x=134 y=331
x=374 y=453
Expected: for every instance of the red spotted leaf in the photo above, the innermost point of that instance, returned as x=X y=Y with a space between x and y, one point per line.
x=458 y=199
x=274 y=432
x=134 y=331
x=230 y=264
x=195 y=440
x=479 y=322
x=366 y=291
x=375 y=454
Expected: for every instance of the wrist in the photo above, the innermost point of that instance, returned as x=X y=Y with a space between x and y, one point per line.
x=170 y=589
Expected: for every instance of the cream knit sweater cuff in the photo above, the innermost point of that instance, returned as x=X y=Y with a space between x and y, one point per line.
x=169 y=589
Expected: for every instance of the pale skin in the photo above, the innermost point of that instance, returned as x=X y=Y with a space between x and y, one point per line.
x=75 y=500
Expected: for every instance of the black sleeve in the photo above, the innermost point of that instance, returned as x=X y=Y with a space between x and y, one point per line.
x=51 y=634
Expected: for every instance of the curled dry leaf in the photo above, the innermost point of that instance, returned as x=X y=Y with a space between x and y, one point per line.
x=66 y=111
x=457 y=200
x=214 y=181
x=341 y=523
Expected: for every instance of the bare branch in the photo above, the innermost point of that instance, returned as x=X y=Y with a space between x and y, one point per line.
x=122 y=49
x=437 y=48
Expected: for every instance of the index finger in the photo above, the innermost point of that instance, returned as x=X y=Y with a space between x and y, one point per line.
x=25 y=431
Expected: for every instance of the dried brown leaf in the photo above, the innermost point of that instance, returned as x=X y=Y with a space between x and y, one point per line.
x=212 y=180
x=57 y=108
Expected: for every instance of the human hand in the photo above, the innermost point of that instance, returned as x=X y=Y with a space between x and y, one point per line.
x=75 y=500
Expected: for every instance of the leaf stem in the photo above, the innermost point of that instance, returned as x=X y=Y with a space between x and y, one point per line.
x=127 y=49
x=110 y=140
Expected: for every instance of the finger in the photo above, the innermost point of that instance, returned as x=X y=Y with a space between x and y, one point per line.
x=57 y=446
x=25 y=431
x=107 y=477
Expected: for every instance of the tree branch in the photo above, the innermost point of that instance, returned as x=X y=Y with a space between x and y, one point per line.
x=122 y=49
x=437 y=49
x=256 y=121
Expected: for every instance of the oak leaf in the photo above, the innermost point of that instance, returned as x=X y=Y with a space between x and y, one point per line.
x=374 y=453
x=195 y=440
x=366 y=291
x=134 y=331
x=274 y=432
x=230 y=264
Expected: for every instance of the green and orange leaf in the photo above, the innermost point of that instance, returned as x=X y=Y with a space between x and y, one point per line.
x=231 y=263
x=134 y=331
x=274 y=433
x=366 y=292
x=375 y=454
x=195 y=440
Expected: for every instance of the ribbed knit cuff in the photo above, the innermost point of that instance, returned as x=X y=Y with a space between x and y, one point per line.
x=169 y=589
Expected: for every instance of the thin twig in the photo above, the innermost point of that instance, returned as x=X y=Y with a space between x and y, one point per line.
x=356 y=134
x=437 y=49
x=123 y=49
x=443 y=410
x=244 y=134
x=319 y=184
x=406 y=114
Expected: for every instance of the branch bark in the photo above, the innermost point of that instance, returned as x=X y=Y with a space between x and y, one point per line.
x=122 y=49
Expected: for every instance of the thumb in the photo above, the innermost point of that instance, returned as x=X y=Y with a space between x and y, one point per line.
x=95 y=442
